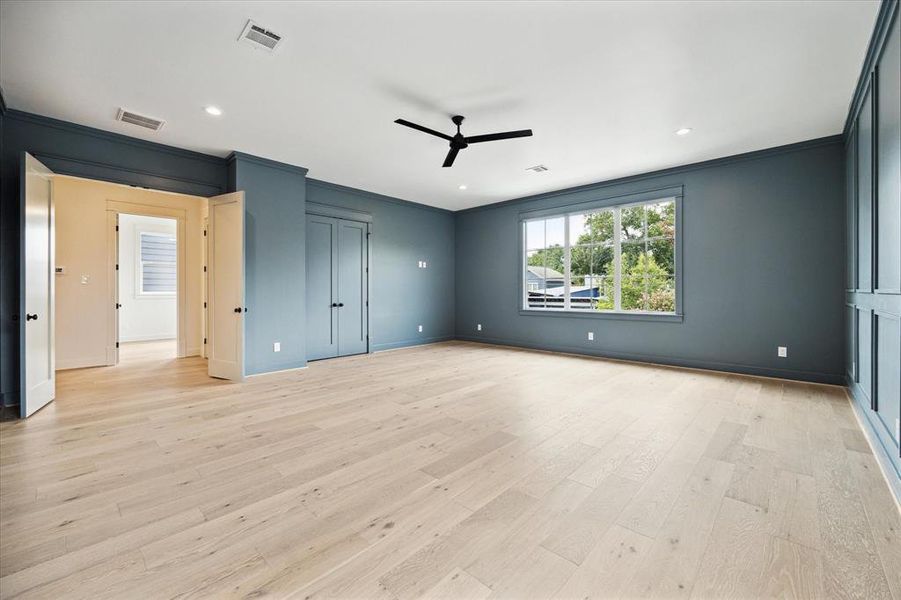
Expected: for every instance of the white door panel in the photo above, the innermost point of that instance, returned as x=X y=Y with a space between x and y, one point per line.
x=226 y=286
x=38 y=386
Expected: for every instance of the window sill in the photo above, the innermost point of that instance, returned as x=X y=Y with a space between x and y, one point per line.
x=597 y=314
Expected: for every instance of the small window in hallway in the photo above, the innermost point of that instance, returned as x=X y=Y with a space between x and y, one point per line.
x=158 y=263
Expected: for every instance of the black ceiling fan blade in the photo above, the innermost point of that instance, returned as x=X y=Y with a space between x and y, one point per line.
x=451 y=156
x=422 y=129
x=490 y=137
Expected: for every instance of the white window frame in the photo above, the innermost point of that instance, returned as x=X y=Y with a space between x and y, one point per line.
x=617 y=204
x=139 y=266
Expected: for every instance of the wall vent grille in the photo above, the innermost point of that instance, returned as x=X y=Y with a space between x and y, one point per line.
x=260 y=37
x=133 y=118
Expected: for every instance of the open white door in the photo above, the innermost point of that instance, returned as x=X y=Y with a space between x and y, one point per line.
x=225 y=273
x=38 y=379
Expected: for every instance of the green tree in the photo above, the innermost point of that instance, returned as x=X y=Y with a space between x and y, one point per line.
x=551 y=258
x=645 y=286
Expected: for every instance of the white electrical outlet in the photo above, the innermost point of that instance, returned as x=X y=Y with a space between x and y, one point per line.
x=479 y=327
x=590 y=336
x=419 y=264
x=425 y=265
x=420 y=329
x=277 y=347
x=782 y=351
x=85 y=279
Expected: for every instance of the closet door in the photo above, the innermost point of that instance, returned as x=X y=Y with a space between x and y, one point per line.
x=353 y=259
x=322 y=287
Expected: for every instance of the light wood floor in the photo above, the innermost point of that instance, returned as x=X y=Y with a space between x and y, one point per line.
x=156 y=350
x=446 y=471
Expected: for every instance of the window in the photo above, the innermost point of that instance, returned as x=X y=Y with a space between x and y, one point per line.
x=157 y=258
x=619 y=258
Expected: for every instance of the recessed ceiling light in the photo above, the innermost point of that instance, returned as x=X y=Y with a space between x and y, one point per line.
x=683 y=131
x=462 y=186
x=213 y=110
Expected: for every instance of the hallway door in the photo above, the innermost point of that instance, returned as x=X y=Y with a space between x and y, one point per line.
x=37 y=371
x=226 y=286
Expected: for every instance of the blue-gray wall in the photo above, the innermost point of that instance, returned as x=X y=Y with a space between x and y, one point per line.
x=274 y=255
x=403 y=295
x=760 y=264
x=873 y=242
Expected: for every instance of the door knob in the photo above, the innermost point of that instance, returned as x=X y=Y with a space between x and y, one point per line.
x=237 y=310
x=340 y=304
x=334 y=305
x=31 y=317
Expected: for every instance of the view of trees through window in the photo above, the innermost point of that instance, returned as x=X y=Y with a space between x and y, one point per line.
x=620 y=258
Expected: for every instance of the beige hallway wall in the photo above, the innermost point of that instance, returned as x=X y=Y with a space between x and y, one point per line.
x=82 y=242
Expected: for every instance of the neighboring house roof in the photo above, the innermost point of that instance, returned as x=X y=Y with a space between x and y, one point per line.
x=579 y=290
x=545 y=272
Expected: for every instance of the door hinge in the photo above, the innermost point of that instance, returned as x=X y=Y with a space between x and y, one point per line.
x=117 y=344
x=117 y=266
x=204 y=304
x=367 y=269
x=204 y=340
x=204 y=233
x=117 y=228
x=367 y=303
x=204 y=268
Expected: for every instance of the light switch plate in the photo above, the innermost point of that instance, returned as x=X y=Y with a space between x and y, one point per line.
x=590 y=336
x=420 y=329
x=782 y=351
x=277 y=347
x=479 y=327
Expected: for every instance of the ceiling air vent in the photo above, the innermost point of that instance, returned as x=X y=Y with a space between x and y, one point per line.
x=126 y=116
x=537 y=168
x=259 y=37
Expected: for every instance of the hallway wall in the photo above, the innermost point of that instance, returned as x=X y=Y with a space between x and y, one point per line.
x=82 y=324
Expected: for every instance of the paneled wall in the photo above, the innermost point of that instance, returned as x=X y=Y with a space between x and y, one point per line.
x=873 y=239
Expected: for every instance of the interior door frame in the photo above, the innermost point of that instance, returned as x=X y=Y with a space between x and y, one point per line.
x=349 y=214
x=114 y=209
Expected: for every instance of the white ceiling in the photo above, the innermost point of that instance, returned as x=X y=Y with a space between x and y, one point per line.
x=604 y=85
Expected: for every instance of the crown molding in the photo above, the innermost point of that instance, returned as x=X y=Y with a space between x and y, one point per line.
x=266 y=162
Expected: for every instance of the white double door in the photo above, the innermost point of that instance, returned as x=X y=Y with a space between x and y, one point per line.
x=226 y=310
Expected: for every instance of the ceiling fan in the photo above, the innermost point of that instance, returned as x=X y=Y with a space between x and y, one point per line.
x=459 y=141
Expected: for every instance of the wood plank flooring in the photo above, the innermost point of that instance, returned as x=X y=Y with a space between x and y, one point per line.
x=447 y=471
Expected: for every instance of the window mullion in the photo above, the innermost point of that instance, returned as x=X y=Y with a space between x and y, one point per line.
x=617 y=255
x=567 y=257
